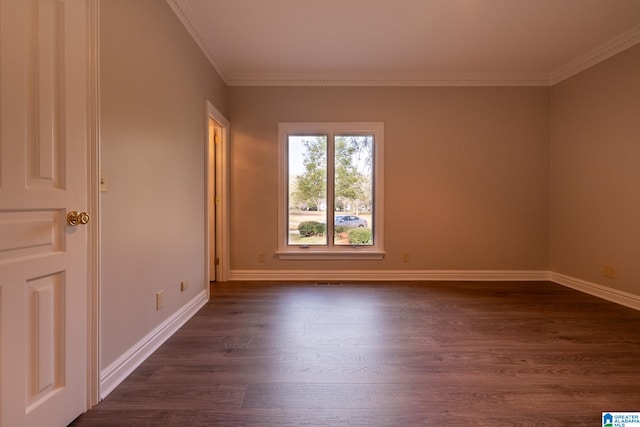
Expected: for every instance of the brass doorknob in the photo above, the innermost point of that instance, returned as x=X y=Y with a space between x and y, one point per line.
x=75 y=218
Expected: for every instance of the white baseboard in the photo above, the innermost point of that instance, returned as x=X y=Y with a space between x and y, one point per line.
x=600 y=291
x=604 y=292
x=388 y=275
x=116 y=372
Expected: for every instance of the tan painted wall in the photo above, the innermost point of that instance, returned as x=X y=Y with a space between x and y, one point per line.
x=476 y=178
x=595 y=173
x=154 y=80
x=466 y=173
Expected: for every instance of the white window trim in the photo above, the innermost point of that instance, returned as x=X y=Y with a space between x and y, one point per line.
x=289 y=252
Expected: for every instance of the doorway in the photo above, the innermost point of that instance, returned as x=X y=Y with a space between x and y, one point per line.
x=216 y=195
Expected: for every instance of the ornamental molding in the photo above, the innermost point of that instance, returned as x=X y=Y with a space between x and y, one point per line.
x=187 y=16
x=470 y=80
x=605 y=51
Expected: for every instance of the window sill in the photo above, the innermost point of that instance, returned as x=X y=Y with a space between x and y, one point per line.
x=311 y=254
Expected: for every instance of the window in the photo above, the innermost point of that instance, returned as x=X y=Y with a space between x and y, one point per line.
x=330 y=190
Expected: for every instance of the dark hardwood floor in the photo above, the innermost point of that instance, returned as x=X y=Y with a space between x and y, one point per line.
x=387 y=354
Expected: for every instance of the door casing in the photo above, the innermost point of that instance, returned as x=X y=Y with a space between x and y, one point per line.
x=221 y=191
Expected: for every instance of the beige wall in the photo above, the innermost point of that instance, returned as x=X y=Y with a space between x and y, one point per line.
x=595 y=173
x=154 y=80
x=476 y=178
x=466 y=173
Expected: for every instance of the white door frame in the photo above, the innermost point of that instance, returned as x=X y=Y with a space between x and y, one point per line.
x=222 y=193
x=93 y=150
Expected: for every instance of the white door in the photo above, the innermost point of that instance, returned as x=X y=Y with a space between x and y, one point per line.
x=43 y=176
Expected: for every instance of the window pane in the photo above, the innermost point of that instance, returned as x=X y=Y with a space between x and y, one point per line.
x=353 y=191
x=307 y=190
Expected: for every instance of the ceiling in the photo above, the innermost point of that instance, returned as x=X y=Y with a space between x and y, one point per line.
x=408 y=42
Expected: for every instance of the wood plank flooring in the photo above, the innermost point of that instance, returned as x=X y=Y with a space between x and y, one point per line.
x=387 y=354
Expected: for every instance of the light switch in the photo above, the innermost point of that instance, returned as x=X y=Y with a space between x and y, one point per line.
x=103 y=181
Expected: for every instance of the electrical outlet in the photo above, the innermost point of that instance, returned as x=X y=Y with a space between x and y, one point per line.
x=184 y=285
x=609 y=271
x=159 y=300
x=262 y=257
x=405 y=257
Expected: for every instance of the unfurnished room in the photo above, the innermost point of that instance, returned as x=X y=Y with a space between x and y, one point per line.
x=319 y=213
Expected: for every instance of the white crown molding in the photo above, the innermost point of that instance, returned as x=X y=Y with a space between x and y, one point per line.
x=439 y=80
x=614 y=46
x=188 y=18
x=605 y=51
x=388 y=275
x=604 y=292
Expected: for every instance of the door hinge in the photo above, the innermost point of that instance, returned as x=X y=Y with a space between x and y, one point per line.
x=216 y=261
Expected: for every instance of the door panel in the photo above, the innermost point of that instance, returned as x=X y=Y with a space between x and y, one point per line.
x=45 y=317
x=29 y=233
x=45 y=88
x=43 y=175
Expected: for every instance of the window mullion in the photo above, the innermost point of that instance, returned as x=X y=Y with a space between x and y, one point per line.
x=330 y=188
